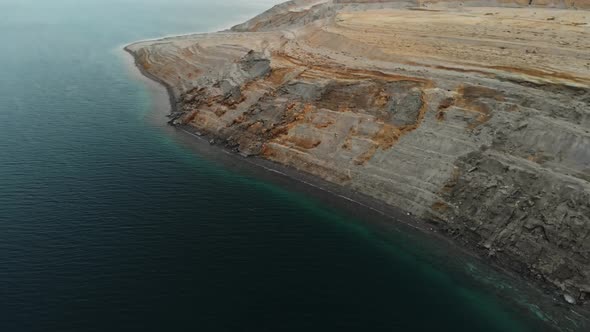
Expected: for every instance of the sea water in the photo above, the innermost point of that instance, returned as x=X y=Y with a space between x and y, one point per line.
x=110 y=221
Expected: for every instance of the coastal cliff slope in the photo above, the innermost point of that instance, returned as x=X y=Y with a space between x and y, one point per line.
x=473 y=116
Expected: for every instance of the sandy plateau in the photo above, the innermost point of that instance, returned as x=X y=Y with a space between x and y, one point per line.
x=474 y=116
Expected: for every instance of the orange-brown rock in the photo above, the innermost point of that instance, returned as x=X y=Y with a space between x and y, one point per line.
x=474 y=116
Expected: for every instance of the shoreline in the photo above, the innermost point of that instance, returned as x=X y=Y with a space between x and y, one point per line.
x=343 y=193
x=145 y=73
x=383 y=214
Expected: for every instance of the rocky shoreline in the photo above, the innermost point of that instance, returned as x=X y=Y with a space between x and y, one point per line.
x=169 y=89
x=506 y=172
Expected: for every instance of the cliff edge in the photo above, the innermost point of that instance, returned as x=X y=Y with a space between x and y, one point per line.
x=473 y=116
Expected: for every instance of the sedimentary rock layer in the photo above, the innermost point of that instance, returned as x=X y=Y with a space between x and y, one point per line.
x=474 y=118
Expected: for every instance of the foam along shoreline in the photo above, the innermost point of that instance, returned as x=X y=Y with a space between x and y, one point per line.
x=282 y=92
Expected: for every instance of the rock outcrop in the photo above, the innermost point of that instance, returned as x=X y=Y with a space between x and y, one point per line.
x=473 y=116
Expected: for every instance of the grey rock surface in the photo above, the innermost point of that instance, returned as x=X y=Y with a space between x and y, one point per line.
x=474 y=119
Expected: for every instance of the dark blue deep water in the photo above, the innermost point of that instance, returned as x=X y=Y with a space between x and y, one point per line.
x=110 y=221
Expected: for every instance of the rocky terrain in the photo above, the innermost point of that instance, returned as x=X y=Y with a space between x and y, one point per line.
x=473 y=116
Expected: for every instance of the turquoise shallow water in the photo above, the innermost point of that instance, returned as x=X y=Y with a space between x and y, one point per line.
x=110 y=222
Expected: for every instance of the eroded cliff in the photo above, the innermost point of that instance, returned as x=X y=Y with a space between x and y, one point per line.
x=473 y=116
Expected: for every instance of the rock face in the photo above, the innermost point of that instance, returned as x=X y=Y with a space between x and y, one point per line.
x=475 y=119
